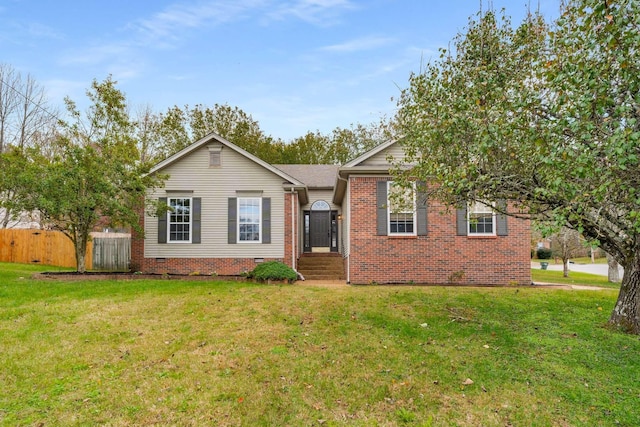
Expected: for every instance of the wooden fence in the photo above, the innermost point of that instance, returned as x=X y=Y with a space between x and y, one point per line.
x=112 y=251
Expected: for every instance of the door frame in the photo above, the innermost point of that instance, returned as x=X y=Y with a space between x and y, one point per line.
x=332 y=228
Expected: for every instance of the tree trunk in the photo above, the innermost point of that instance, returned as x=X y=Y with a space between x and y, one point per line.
x=81 y=250
x=613 y=271
x=565 y=267
x=626 y=313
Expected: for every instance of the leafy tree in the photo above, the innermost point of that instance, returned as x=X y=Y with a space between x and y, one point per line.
x=97 y=174
x=178 y=127
x=548 y=119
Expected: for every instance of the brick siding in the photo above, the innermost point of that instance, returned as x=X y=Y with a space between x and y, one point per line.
x=441 y=256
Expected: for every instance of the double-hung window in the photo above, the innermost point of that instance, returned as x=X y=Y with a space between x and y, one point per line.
x=249 y=219
x=481 y=220
x=401 y=202
x=179 y=220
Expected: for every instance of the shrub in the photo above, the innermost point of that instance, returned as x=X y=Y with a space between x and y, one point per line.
x=544 y=253
x=273 y=270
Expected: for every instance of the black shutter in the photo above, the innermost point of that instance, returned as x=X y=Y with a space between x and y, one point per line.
x=232 y=220
x=461 y=222
x=381 y=208
x=266 y=220
x=162 y=222
x=421 y=208
x=501 y=219
x=196 y=203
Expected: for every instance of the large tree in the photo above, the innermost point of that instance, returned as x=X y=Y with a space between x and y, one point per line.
x=97 y=175
x=544 y=116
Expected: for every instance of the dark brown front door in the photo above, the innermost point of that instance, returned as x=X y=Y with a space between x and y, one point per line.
x=320 y=229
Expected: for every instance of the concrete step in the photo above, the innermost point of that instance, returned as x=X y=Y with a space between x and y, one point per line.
x=325 y=266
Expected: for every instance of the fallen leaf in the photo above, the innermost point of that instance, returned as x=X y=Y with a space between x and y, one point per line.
x=424 y=325
x=486 y=346
x=468 y=381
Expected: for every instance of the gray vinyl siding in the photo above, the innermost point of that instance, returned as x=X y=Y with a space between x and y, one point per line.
x=380 y=159
x=215 y=186
x=326 y=195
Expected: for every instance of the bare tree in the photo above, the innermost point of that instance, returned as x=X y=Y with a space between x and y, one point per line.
x=26 y=122
x=565 y=243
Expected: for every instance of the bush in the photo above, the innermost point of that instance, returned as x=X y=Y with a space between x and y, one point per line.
x=544 y=253
x=273 y=270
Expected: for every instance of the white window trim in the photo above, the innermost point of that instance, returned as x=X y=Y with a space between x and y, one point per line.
x=169 y=199
x=247 y=242
x=493 y=219
x=415 y=224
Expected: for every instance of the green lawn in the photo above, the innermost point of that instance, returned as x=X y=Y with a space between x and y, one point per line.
x=575 y=278
x=154 y=352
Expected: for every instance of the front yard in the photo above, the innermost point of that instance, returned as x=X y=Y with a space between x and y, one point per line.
x=160 y=352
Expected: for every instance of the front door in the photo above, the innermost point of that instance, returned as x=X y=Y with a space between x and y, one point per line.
x=320 y=229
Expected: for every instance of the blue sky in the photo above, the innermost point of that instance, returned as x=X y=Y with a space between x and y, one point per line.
x=294 y=65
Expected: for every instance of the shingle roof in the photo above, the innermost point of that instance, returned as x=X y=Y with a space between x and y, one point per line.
x=313 y=176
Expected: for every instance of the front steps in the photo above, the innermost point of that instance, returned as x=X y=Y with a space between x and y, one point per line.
x=321 y=266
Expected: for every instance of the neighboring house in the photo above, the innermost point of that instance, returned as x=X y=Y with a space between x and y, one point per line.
x=230 y=210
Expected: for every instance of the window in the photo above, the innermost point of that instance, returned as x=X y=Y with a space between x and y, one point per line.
x=481 y=220
x=249 y=219
x=401 y=205
x=180 y=220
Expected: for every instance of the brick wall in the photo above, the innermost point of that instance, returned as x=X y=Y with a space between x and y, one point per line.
x=203 y=266
x=290 y=242
x=439 y=257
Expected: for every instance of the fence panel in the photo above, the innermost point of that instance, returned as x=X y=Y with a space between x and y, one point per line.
x=40 y=247
x=111 y=253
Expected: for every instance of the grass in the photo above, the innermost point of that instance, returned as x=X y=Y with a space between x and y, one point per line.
x=154 y=352
x=575 y=278
x=581 y=260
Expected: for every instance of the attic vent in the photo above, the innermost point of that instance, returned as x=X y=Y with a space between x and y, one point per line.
x=215 y=156
x=214 y=159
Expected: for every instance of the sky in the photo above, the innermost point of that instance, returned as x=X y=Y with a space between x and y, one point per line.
x=294 y=65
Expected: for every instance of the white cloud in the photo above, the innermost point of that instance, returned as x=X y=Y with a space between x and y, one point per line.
x=360 y=44
x=176 y=18
x=317 y=12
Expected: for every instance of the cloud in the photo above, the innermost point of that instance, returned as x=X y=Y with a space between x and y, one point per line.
x=317 y=12
x=358 y=45
x=172 y=21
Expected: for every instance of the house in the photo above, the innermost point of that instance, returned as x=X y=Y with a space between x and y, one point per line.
x=229 y=210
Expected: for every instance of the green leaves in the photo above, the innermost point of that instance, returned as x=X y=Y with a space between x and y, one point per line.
x=97 y=176
x=547 y=118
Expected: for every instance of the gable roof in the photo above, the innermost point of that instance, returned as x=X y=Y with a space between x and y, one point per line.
x=290 y=181
x=375 y=150
x=359 y=165
x=313 y=176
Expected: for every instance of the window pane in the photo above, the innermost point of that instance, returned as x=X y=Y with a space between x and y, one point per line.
x=179 y=220
x=481 y=219
x=249 y=219
x=401 y=202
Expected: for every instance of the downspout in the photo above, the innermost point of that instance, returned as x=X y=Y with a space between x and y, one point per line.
x=293 y=234
x=348 y=253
